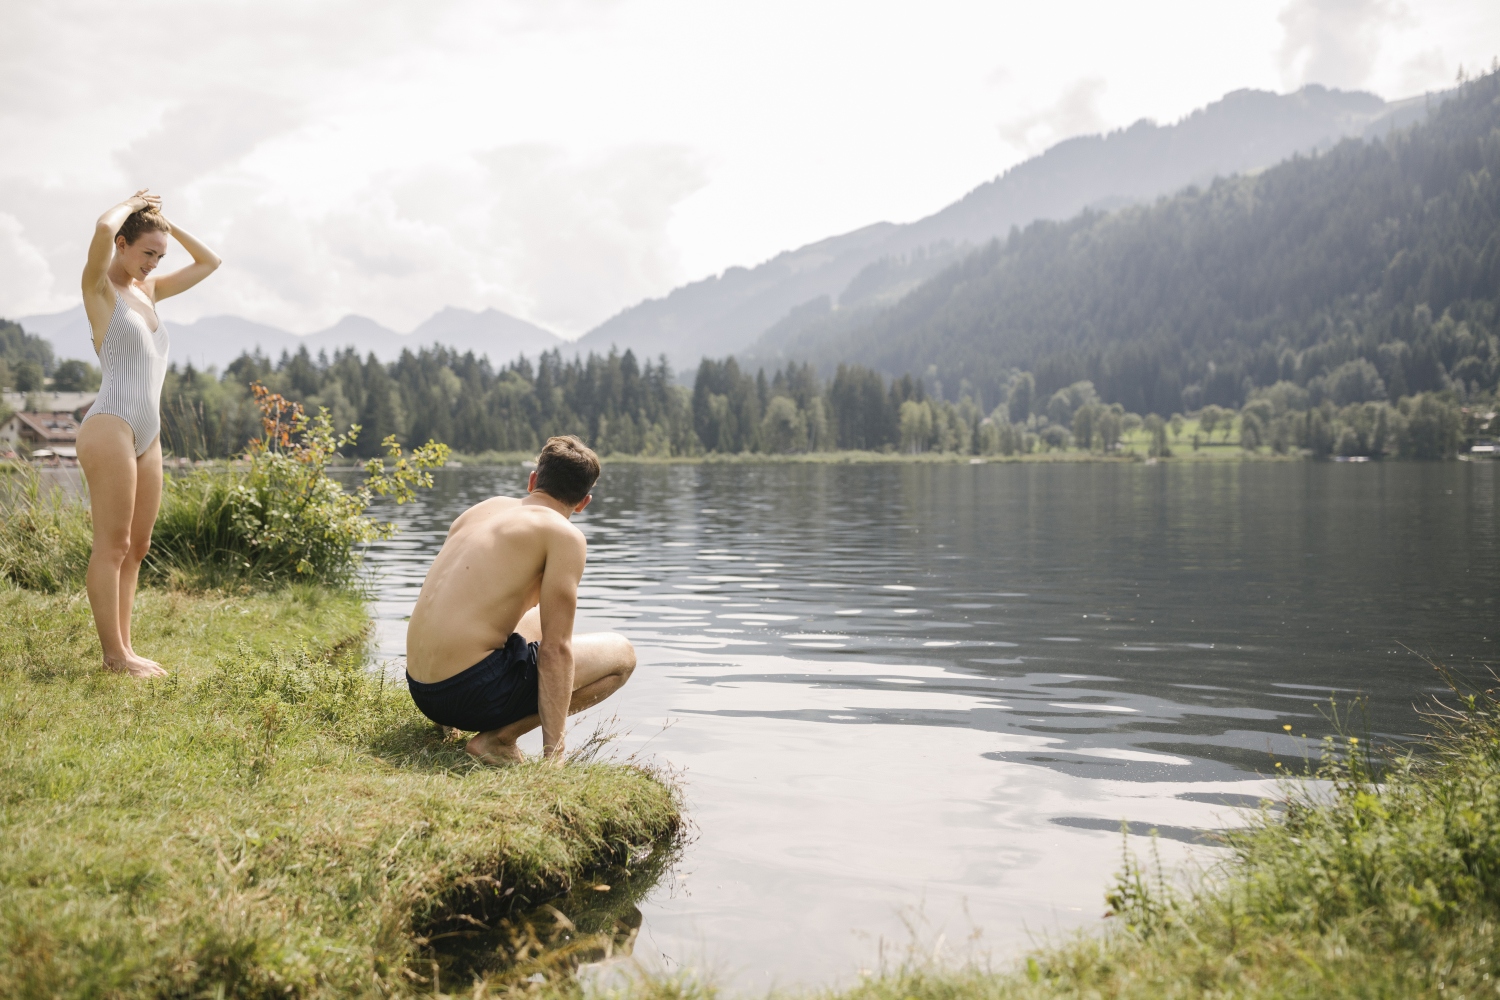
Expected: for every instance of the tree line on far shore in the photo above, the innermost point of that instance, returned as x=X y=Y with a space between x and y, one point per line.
x=623 y=407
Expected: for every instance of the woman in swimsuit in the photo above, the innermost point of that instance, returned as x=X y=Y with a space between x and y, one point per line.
x=119 y=444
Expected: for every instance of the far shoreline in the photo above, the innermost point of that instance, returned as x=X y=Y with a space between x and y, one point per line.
x=1218 y=455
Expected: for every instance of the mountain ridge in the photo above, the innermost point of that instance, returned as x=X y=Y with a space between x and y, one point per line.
x=1382 y=254
x=215 y=341
x=1243 y=131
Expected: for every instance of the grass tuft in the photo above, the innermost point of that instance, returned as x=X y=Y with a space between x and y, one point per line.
x=45 y=537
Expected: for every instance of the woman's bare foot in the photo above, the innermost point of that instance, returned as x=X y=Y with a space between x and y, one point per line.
x=147 y=660
x=488 y=749
x=134 y=666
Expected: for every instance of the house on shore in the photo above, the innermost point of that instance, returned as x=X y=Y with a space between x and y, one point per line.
x=48 y=434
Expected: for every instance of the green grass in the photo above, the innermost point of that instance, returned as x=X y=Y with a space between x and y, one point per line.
x=269 y=821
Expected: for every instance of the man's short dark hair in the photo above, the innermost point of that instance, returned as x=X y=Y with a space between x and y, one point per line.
x=567 y=469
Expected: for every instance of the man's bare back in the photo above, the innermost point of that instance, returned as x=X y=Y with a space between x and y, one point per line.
x=487 y=576
x=490 y=646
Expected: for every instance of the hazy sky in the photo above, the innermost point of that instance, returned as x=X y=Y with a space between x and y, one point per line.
x=563 y=159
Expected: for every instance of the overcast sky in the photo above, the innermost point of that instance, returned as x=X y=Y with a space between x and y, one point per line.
x=563 y=159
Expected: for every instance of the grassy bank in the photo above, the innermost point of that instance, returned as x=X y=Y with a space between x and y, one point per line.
x=270 y=820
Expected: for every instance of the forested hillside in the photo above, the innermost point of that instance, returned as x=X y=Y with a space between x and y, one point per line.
x=1246 y=130
x=1384 y=251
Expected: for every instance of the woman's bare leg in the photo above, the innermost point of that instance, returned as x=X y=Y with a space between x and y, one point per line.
x=106 y=451
x=147 y=504
x=602 y=663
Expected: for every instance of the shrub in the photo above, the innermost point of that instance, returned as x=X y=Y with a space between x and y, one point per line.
x=282 y=516
x=278 y=517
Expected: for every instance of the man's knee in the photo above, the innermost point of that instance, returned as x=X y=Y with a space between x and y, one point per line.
x=624 y=656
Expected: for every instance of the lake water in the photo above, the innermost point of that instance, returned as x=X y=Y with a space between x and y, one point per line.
x=917 y=702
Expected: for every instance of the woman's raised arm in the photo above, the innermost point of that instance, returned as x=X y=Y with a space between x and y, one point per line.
x=205 y=262
x=102 y=246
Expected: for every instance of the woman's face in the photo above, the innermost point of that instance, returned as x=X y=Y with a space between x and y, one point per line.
x=141 y=257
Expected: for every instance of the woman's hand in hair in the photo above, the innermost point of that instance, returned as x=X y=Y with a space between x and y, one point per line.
x=143 y=199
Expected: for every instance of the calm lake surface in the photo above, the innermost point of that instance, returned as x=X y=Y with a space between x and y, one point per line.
x=927 y=696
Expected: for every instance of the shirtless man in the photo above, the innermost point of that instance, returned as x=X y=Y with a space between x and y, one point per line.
x=480 y=653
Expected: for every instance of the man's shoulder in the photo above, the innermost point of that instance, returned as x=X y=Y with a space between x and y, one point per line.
x=492 y=507
x=554 y=525
x=509 y=514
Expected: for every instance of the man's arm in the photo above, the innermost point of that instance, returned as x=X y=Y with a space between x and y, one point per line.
x=566 y=552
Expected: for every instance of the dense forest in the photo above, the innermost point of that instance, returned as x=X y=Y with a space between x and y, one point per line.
x=466 y=402
x=1384 y=251
x=622 y=407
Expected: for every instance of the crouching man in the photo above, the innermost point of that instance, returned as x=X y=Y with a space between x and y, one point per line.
x=490 y=647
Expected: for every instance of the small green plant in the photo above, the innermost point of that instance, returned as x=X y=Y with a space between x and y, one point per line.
x=284 y=517
x=1141 y=898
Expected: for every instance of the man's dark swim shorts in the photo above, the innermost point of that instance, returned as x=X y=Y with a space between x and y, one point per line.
x=493 y=693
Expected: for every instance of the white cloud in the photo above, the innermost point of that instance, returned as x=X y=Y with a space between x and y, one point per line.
x=1076 y=112
x=208 y=132
x=25 y=279
x=1335 y=42
x=533 y=230
x=562 y=159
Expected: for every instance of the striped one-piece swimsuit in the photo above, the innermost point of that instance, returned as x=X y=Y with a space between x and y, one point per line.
x=134 y=360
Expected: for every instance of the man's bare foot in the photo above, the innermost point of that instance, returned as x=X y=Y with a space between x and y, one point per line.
x=490 y=751
x=134 y=666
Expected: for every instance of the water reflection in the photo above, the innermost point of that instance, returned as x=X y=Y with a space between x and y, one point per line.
x=507 y=938
x=945 y=686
